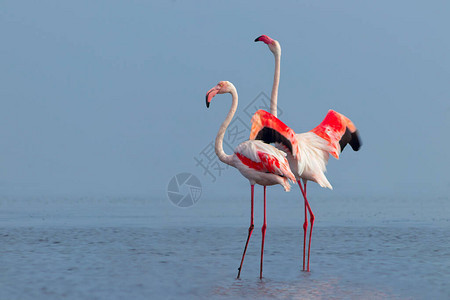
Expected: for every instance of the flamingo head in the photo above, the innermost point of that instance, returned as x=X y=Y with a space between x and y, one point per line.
x=221 y=88
x=274 y=46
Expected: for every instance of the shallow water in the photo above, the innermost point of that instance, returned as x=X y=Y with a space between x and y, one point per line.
x=59 y=251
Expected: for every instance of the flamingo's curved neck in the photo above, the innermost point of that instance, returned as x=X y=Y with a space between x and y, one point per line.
x=219 y=139
x=276 y=83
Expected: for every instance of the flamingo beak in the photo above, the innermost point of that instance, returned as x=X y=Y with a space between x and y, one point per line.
x=211 y=93
x=264 y=38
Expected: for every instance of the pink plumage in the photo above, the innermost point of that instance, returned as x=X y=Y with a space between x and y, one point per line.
x=259 y=162
x=308 y=152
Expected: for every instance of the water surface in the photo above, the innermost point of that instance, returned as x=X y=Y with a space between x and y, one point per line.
x=118 y=249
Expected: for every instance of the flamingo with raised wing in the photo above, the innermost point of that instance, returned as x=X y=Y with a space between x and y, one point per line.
x=308 y=152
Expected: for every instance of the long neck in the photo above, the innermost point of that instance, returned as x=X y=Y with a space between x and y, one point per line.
x=219 y=139
x=276 y=82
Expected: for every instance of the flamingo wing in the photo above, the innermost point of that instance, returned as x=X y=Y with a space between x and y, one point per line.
x=338 y=131
x=270 y=129
x=264 y=158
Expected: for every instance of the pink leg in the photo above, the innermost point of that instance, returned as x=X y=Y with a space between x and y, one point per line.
x=305 y=225
x=311 y=216
x=304 y=181
x=250 y=230
x=263 y=230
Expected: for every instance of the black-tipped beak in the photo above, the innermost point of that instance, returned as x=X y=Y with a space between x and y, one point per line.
x=207 y=103
x=257 y=39
x=210 y=94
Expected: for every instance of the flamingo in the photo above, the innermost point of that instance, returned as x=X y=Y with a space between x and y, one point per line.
x=307 y=153
x=257 y=161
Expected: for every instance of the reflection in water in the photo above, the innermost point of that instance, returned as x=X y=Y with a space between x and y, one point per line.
x=332 y=288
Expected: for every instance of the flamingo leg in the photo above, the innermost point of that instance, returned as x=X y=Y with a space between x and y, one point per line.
x=311 y=218
x=263 y=230
x=250 y=230
x=305 y=224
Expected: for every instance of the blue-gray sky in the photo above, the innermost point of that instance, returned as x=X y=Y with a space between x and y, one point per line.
x=107 y=97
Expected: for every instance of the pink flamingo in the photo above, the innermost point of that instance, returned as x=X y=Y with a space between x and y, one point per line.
x=308 y=152
x=259 y=162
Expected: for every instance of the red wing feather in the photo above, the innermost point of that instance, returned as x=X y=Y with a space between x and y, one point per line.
x=338 y=130
x=270 y=129
x=268 y=162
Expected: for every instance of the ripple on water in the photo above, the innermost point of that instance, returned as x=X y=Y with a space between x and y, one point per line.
x=139 y=262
